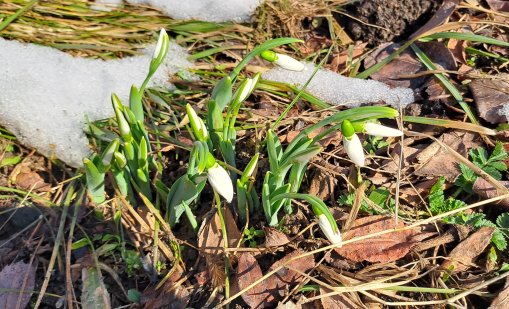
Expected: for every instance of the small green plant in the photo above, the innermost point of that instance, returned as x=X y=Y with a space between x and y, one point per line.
x=492 y=164
x=250 y=236
x=478 y=220
x=378 y=196
x=438 y=204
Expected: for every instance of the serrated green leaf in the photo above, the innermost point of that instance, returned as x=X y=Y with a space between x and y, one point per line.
x=493 y=172
x=436 y=196
x=499 y=153
x=498 y=165
x=499 y=240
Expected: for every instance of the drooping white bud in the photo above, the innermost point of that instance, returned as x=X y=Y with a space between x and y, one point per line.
x=376 y=129
x=289 y=63
x=328 y=230
x=220 y=180
x=354 y=150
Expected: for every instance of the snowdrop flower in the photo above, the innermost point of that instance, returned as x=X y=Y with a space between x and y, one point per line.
x=352 y=144
x=380 y=130
x=162 y=45
x=326 y=221
x=220 y=180
x=332 y=233
x=247 y=87
x=197 y=125
x=283 y=61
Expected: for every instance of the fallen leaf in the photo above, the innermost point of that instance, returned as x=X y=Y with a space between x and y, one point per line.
x=275 y=238
x=286 y=276
x=339 y=60
x=248 y=271
x=272 y=289
x=94 y=293
x=322 y=184
x=435 y=161
x=211 y=242
x=403 y=70
x=490 y=95
x=457 y=48
x=502 y=299
x=29 y=180
x=466 y=252
x=499 y=5
x=390 y=74
x=168 y=296
x=440 y=16
x=11 y=282
x=486 y=190
x=385 y=248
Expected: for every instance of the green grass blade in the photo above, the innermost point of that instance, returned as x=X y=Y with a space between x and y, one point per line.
x=467 y=37
x=445 y=81
x=13 y=17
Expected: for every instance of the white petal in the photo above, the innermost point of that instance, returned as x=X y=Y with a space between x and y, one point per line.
x=289 y=63
x=246 y=90
x=220 y=180
x=354 y=150
x=327 y=230
x=380 y=130
x=159 y=45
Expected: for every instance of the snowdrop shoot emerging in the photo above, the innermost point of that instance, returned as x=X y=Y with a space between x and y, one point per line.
x=283 y=61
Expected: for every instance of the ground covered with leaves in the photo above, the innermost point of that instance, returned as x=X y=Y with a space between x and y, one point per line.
x=424 y=223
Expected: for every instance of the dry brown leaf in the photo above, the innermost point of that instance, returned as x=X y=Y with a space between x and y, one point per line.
x=486 y=190
x=271 y=290
x=499 y=5
x=401 y=72
x=339 y=301
x=322 y=184
x=29 y=180
x=440 y=16
x=490 y=95
x=435 y=161
x=248 y=271
x=404 y=64
x=211 y=242
x=168 y=296
x=502 y=299
x=457 y=48
x=385 y=248
x=275 y=238
x=11 y=281
x=466 y=252
x=286 y=276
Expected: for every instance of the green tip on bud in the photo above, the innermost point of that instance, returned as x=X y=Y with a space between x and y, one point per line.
x=347 y=129
x=160 y=51
x=197 y=125
x=269 y=55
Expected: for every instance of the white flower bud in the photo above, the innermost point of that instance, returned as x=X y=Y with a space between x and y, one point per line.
x=354 y=150
x=328 y=230
x=220 y=180
x=376 y=129
x=289 y=63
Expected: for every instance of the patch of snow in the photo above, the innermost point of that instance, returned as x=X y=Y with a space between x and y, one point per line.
x=504 y=111
x=46 y=95
x=207 y=10
x=339 y=90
